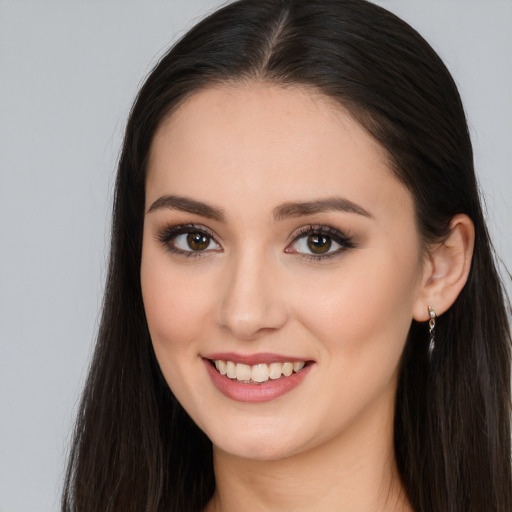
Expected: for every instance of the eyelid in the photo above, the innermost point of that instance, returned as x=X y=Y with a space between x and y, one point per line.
x=170 y=232
x=334 y=234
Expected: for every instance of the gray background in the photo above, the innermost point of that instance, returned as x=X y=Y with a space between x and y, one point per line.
x=68 y=73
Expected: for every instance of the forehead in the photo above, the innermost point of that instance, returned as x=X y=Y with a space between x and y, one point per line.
x=270 y=142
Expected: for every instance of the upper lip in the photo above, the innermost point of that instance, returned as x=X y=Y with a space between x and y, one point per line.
x=253 y=359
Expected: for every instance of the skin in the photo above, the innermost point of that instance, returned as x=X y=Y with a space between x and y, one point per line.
x=247 y=150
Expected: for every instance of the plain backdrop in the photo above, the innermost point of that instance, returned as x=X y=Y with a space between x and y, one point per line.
x=69 y=71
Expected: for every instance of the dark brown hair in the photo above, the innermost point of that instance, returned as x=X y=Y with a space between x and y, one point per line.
x=135 y=449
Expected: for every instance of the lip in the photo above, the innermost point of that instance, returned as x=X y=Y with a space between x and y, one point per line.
x=252 y=359
x=255 y=393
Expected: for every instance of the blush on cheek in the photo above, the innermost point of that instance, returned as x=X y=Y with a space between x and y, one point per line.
x=169 y=329
x=357 y=319
x=174 y=318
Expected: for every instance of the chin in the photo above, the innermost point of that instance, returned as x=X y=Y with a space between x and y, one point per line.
x=256 y=442
x=257 y=451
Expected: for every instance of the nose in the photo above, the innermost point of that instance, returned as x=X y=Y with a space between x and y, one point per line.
x=252 y=302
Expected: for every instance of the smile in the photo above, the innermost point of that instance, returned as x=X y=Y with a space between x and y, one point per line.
x=257 y=373
x=256 y=378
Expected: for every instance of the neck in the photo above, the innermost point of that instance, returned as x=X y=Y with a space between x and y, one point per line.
x=355 y=471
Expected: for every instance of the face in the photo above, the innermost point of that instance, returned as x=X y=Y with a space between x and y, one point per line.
x=279 y=247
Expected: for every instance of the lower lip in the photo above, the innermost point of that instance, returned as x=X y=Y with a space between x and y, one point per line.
x=255 y=393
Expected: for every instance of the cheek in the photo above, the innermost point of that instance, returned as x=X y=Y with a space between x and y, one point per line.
x=176 y=308
x=176 y=305
x=366 y=305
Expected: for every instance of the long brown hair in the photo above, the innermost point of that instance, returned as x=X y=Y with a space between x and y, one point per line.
x=135 y=448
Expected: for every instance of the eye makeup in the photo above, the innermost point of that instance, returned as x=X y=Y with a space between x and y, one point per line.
x=319 y=242
x=312 y=242
x=188 y=240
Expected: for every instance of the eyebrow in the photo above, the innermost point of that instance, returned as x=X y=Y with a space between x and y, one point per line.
x=340 y=204
x=282 y=212
x=185 y=204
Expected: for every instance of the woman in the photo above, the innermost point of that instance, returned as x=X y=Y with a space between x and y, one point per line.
x=302 y=309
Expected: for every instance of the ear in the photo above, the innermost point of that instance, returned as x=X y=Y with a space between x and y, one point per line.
x=446 y=269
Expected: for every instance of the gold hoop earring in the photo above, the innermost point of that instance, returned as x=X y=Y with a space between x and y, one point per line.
x=431 y=330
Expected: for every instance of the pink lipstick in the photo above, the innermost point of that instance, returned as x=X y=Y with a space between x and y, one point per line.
x=256 y=377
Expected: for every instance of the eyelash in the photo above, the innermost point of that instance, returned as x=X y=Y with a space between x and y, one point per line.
x=168 y=234
x=333 y=234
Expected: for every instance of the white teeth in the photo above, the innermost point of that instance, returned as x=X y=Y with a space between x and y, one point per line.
x=275 y=370
x=222 y=367
x=243 y=372
x=298 y=366
x=259 y=372
x=231 y=369
x=287 y=369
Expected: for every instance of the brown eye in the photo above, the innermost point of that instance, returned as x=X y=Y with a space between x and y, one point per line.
x=198 y=241
x=188 y=240
x=319 y=244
